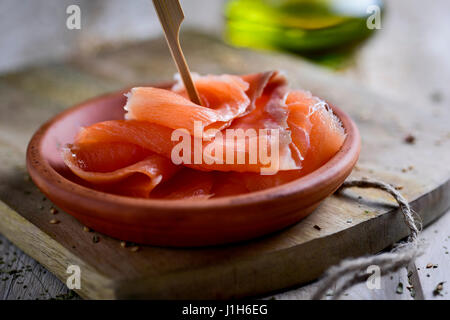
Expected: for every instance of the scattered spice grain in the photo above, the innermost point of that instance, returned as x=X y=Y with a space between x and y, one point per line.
x=437 y=291
x=399 y=289
x=410 y=139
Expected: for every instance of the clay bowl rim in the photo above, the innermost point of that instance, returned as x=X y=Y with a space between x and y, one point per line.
x=47 y=178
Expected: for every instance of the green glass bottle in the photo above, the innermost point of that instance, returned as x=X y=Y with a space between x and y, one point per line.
x=319 y=29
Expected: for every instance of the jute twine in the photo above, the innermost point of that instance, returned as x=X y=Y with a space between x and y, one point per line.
x=353 y=271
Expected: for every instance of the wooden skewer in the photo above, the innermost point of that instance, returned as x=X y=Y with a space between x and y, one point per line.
x=171 y=15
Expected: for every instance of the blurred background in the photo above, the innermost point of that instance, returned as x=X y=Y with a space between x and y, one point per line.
x=407 y=56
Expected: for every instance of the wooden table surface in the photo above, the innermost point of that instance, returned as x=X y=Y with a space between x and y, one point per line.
x=406 y=61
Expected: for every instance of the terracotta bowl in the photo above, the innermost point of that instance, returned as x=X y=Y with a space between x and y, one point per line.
x=177 y=222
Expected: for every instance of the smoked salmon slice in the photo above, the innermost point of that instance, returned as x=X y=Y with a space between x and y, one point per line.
x=105 y=157
x=186 y=184
x=223 y=98
x=136 y=156
x=147 y=134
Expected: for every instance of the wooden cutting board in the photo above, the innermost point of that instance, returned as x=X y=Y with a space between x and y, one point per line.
x=353 y=223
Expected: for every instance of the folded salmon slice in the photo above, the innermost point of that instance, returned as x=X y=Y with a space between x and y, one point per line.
x=271 y=112
x=315 y=131
x=146 y=135
x=133 y=157
x=105 y=157
x=312 y=119
x=158 y=139
x=267 y=114
x=233 y=183
x=223 y=99
x=187 y=184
